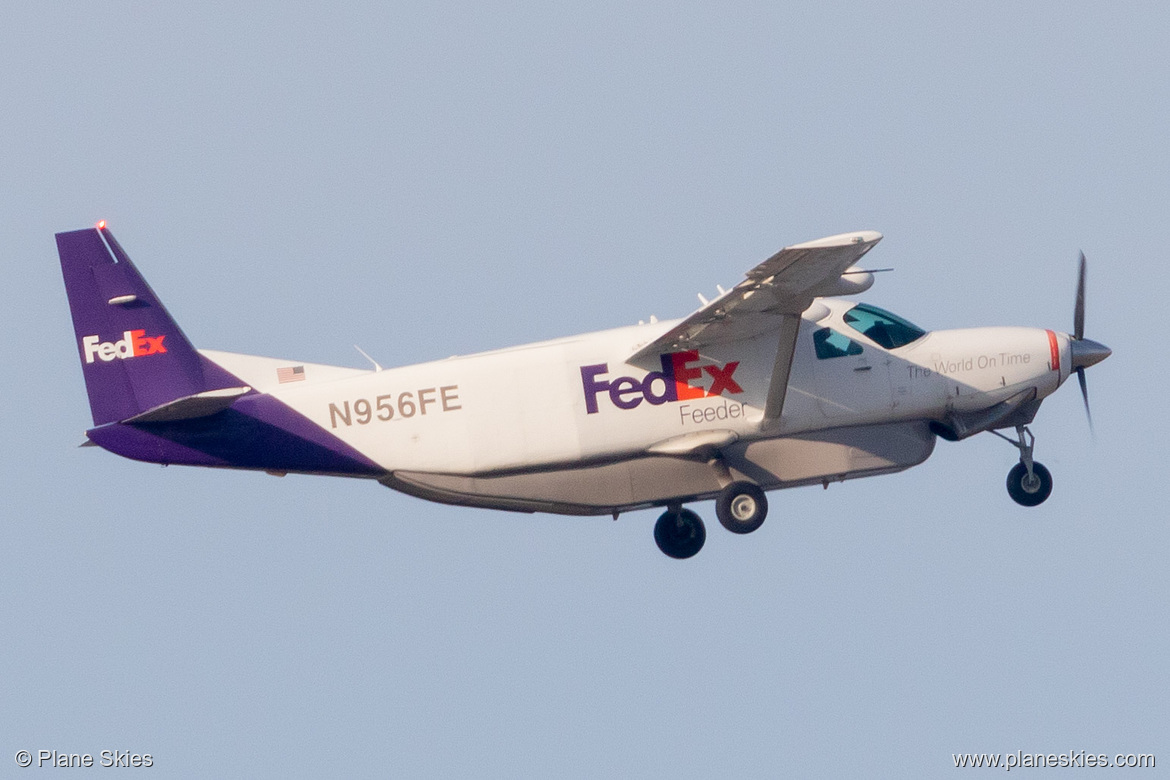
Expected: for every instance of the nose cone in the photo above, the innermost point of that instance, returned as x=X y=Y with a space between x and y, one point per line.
x=1086 y=352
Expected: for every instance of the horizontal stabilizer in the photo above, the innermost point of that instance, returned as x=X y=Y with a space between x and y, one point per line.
x=191 y=407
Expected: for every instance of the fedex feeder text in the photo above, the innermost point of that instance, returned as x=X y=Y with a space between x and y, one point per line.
x=674 y=383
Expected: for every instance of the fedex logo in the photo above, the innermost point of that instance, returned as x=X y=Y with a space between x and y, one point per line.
x=134 y=343
x=672 y=383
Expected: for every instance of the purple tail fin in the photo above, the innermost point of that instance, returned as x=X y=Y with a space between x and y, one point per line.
x=134 y=356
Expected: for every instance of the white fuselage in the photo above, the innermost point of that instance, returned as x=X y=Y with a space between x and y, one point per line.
x=568 y=403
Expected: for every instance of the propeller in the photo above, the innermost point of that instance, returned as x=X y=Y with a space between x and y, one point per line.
x=1085 y=352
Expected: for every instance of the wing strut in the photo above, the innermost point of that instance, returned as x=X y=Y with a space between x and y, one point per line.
x=785 y=349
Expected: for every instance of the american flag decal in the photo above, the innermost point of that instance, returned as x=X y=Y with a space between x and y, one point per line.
x=290 y=374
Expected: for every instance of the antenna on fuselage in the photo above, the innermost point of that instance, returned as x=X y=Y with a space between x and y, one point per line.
x=367 y=357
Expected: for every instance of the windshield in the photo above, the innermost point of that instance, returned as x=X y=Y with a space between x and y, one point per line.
x=889 y=330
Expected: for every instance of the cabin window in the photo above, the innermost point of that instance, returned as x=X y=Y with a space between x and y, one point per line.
x=889 y=330
x=831 y=344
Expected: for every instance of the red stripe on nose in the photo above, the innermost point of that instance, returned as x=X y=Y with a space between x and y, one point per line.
x=1054 y=349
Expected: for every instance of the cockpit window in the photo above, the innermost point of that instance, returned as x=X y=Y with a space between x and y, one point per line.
x=889 y=330
x=831 y=344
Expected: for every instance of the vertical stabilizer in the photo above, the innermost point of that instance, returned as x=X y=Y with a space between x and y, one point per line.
x=133 y=354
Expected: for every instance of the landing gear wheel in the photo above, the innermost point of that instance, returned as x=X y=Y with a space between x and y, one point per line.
x=1028 y=490
x=680 y=533
x=741 y=507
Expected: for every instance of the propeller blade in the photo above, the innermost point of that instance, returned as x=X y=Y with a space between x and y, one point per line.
x=1079 y=309
x=1085 y=395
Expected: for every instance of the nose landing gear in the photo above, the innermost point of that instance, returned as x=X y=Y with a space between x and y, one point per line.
x=1029 y=489
x=1028 y=483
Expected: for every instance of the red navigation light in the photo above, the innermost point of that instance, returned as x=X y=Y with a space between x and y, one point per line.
x=102 y=225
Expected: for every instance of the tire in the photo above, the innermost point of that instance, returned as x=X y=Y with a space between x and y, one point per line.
x=741 y=507
x=1027 y=492
x=680 y=534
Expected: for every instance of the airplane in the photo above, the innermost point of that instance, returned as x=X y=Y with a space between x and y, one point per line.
x=775 y=383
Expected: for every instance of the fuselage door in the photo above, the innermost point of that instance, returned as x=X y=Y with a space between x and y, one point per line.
x=852 y=380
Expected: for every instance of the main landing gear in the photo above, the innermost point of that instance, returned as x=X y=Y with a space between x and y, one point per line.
x=680 y=533
x=741 y=508
x=1028 y=483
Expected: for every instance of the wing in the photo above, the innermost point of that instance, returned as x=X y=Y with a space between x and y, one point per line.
x=775 y=293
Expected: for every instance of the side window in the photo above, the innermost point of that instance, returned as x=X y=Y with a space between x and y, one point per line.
x=831 y=344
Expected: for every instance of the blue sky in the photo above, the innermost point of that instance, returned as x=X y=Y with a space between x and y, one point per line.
x=296 y=178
